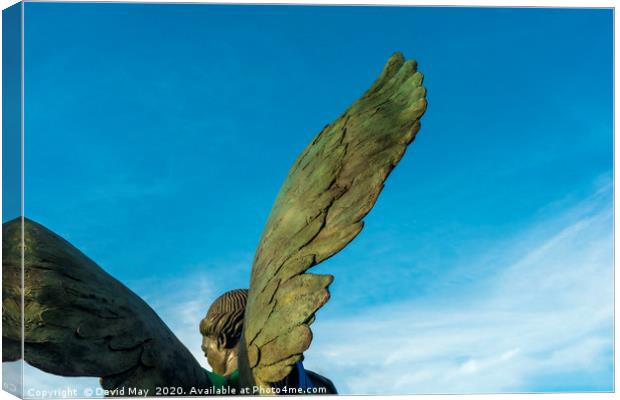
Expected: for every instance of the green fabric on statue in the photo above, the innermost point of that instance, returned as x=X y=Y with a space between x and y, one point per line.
x=219 y=381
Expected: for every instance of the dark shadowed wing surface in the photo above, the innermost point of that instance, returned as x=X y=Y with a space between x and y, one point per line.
x=332 y=185
x=80 y=321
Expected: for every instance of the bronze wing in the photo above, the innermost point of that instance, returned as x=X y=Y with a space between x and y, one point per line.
x=80 y=321
x=332 y=185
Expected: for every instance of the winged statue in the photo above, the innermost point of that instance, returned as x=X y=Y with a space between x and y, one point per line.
x=63 y=314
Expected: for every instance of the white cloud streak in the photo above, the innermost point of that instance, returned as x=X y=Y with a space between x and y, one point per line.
x=533 y=325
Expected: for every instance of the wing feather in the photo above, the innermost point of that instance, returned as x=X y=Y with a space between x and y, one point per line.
x=80 y=321
x=332 y=185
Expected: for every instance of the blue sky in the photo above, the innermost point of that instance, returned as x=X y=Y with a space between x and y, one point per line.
x=157 y=137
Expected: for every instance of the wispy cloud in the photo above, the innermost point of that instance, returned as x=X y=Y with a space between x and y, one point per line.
x=534 y=325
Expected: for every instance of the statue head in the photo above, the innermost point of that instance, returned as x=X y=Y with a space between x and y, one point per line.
x=221 y=330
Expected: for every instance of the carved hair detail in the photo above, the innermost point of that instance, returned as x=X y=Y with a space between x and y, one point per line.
x=225 y=317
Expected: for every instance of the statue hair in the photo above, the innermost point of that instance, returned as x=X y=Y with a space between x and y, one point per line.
x=225 y=317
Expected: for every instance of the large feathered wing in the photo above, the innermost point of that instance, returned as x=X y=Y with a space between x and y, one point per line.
x=80 y=321
x=332 y=185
